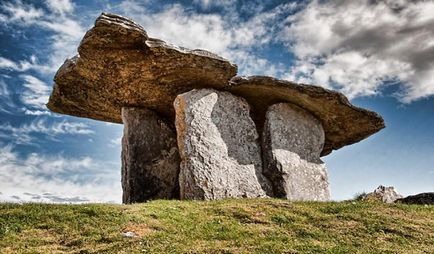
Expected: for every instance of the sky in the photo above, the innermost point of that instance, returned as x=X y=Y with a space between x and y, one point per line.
x=379 y=53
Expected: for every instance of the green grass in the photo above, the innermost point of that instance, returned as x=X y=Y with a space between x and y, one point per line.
x=228 y=226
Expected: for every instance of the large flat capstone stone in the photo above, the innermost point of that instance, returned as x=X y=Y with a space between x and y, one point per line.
x=219 y=147
x=150 y=158
x=292 y=143
x=119 y=65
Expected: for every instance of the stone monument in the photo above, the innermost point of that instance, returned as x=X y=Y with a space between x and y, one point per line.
x=195 y=130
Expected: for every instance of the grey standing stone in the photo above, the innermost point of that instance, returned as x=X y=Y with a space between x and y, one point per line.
x=150 y=158
x=384 y=194
x=219 y=148
x=292 y=143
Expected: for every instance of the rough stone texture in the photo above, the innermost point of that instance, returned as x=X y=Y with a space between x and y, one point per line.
x=426 y=198
x=119 y=65
x=219 y=148
x=292 y=143
x=384 y=194
x=150 y=158
x=343 y=123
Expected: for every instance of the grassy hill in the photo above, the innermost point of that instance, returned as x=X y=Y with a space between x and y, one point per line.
x=229 y=226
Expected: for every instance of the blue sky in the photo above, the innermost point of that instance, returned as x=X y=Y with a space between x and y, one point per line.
x=379 y=53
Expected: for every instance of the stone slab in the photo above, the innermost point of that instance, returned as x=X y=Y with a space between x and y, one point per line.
x=219 y=147
x=292 y=142
x=119 y=65
x=150 y=158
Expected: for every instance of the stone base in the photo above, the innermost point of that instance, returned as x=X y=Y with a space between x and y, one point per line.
x=292 y=143
x=219 y=152
x=150 y=159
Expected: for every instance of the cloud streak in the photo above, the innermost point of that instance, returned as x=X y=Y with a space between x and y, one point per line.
x=36 y=93
x=24 y=134
x=66 y=31
x=6 y=104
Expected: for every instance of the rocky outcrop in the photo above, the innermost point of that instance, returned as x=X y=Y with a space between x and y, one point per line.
x=383 y=194
x=219 y=147
x=150 y=158
x=426 y=198
x=292 y=143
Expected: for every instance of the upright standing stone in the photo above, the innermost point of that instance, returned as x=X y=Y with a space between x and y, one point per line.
x=150 y=159
x=292 y=143
x=219 y=148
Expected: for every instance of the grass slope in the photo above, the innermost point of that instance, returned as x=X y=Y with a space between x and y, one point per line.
x=228 y=226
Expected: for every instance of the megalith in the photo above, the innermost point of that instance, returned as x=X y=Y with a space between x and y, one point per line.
x=219 y=147
x=121 y=75
x=150 y=158
x=292 y=142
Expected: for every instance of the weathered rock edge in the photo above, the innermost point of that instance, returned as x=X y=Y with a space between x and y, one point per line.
x=343 y=123
x=120 y=66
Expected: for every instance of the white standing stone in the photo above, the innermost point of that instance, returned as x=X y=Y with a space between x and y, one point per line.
x=292 y=143
x=219 y=148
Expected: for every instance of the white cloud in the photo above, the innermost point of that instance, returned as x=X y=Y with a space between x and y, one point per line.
x=6 y=103
x=355 y=46
x=173 y=24
x=4 y=91
x=60 y=6
x=7 y=64
x=18 y=11
x=63 y=43
x=219 y=3
x=228 y=35
x=116 y=142
x=36 y=92
x=35 y=112
x=23 y=65
x=24 y=134
x=40 y=178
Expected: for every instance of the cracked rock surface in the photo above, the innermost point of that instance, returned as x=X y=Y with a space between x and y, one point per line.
x=292 y=142
x=219 y=147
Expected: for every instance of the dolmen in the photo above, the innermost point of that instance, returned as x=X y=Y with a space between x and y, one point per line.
x=195 y=130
